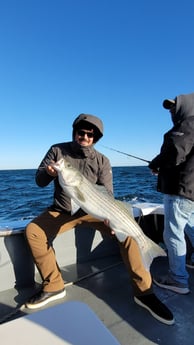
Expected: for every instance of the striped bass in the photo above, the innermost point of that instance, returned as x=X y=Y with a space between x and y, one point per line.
x=101 y=205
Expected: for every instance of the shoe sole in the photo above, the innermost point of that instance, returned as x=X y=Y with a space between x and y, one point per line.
x=190 y=266
x=157 y=317
x=181 y=291
x=46 y=301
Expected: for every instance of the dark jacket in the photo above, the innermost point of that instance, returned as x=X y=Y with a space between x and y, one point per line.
x=176 y=159
x=94 y=166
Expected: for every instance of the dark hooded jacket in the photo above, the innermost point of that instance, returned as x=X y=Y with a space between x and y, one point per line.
x=91 y=163
x=176 y=159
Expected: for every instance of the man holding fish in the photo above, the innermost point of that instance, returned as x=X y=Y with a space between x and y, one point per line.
x=79 y=173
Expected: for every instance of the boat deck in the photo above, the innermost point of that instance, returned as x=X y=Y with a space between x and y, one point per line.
x=105 y=287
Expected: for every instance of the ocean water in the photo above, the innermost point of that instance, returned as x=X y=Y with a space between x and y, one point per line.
x=21 y=198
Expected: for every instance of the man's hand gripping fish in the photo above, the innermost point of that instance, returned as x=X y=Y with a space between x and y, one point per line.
x=101 y=205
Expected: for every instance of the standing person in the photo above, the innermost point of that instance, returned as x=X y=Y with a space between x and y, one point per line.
x=40 y=233
x=175 y=168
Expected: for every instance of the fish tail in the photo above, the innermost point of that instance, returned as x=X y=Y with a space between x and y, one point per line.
x=149 y=251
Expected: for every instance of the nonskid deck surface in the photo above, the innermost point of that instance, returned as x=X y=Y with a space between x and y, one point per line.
x=106 y=289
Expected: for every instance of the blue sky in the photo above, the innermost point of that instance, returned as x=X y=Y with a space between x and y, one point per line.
x=117 y=59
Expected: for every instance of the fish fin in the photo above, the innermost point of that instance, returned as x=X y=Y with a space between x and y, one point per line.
x=103 y=190
x=127 y=206
x=74 y=207
x=78 y=194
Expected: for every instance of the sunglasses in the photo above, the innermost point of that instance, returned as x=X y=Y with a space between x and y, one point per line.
x=82 y=133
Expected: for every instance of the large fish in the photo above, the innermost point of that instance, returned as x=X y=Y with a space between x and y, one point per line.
x=101 y=205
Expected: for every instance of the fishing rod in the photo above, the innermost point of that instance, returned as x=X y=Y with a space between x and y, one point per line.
x=127 y=154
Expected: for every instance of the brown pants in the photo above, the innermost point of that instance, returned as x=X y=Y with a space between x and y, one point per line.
x=42 y=230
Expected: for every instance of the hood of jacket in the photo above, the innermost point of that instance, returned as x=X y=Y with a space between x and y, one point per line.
x=85 y=121
x=184 y=107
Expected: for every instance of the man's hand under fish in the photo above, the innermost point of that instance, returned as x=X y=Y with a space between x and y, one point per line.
x=106 y=222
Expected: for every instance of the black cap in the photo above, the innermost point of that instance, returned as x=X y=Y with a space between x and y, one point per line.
x=168 y=103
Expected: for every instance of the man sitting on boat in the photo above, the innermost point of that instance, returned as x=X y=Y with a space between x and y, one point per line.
x=40 y=233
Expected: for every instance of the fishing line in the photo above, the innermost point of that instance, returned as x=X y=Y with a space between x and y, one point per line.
x=126 y=154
